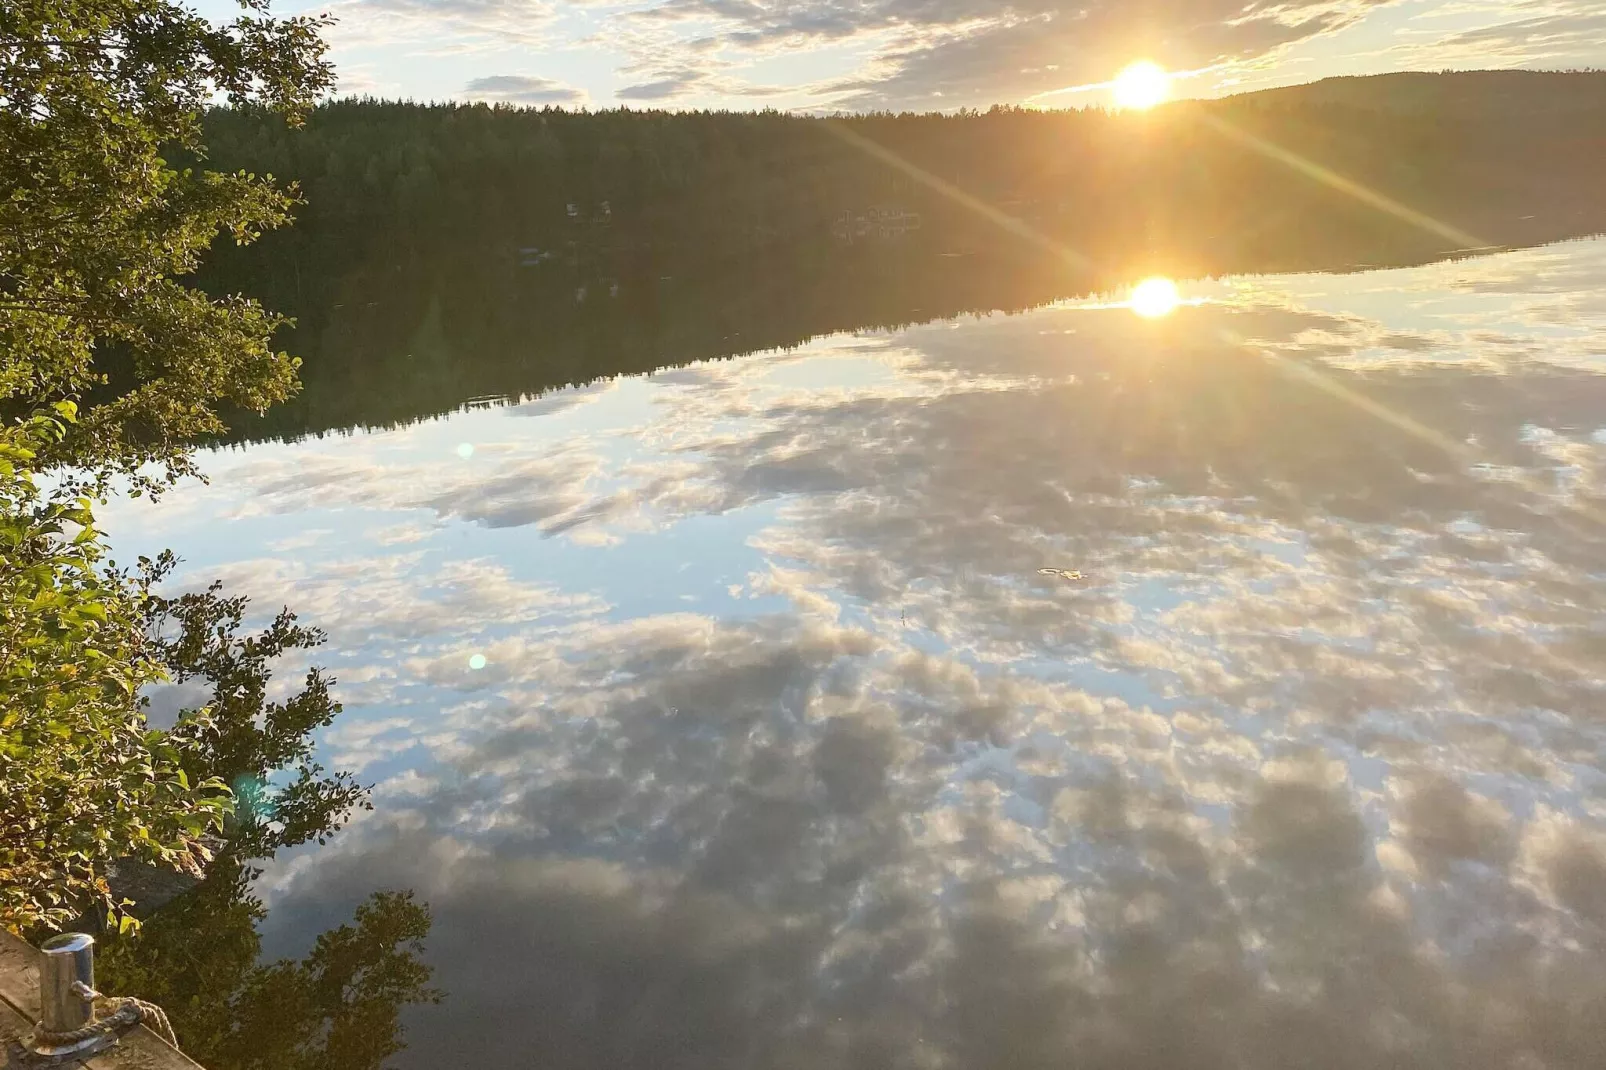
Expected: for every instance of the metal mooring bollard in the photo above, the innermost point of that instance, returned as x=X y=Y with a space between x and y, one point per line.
x=67 y=983
x=68 y=1030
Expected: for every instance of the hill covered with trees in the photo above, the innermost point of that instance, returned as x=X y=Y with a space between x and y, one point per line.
x=449 y=251
x=1499 y=95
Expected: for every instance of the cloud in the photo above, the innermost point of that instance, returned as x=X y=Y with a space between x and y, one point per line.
x=692 y=73
x=1535 y=33
x=760 y=843
x=393 y=598
x=1442 y=823
x=952 y=53
x=380 y=613
x=359 y=79
x=664 y=88
x=446 y=25
x=552 y=489
x=522 y=89
x=947 y=53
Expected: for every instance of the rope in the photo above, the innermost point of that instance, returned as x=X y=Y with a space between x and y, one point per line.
x=123 y=1013
x=154 y=1018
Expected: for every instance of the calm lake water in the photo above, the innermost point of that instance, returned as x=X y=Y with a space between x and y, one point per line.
x=1063 y=688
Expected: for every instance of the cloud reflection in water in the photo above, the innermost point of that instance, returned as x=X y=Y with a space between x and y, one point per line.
x=1305 y=770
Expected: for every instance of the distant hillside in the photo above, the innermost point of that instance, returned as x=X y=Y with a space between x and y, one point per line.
x=1511 y=157
x=1489 y=93
x=453 y=251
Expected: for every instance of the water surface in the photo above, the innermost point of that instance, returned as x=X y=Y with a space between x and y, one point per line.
x=727 y=715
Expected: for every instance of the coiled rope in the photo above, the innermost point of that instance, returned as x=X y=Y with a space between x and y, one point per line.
x=116 y=1015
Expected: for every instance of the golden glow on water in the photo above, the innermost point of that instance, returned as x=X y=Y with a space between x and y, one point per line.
x=1141 y=86
x=1154 y=298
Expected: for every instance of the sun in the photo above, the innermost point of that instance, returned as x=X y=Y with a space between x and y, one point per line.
x=1155 y=298
x=1141 y=86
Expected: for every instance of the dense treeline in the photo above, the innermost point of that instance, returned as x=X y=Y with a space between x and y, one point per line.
x=448 y=251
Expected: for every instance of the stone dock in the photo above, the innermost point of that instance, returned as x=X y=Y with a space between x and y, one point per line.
x=19 y=1010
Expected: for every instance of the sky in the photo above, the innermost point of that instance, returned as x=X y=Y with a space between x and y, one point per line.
x=919 y=54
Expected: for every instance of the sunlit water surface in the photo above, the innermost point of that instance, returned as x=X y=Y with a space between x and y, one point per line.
x=726 y=716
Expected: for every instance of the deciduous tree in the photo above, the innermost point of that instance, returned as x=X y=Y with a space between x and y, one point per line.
x=100 y=100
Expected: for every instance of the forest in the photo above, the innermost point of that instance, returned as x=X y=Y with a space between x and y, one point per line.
x=450 y=251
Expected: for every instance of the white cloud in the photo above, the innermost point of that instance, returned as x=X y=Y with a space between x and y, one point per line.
x=522 y=89
x=939 y=53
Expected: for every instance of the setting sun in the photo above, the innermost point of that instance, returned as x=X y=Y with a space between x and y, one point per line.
x=1154 y=298
x=1141 y=86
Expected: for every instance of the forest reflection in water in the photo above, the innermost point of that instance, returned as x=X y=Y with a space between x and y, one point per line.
x=726 y=715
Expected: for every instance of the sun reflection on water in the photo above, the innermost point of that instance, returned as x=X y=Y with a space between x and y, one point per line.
x=1154 y=298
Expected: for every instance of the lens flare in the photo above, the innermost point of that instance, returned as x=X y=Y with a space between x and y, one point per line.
x=253 y=799
x=1155 y=298
x=1141 y=86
